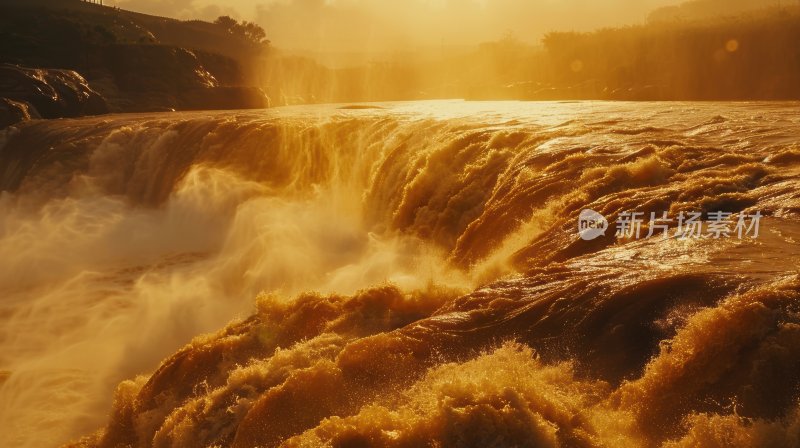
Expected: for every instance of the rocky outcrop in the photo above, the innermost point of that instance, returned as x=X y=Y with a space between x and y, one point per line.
x=53 y=93
x=13 y=112
x=133 y=62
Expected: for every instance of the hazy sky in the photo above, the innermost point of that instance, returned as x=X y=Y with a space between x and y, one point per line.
x=377 y=25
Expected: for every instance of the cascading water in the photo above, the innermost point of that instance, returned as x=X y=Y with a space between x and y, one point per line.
x=411 y=273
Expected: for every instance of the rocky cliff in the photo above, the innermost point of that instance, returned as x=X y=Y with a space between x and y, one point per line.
x=67 y=58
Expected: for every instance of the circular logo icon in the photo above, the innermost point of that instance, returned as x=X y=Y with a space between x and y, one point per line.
x=591 y=225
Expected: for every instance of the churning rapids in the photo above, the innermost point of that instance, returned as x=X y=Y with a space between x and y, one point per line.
x=400 y=276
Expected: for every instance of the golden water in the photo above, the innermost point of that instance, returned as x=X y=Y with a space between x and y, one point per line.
x=408 y=274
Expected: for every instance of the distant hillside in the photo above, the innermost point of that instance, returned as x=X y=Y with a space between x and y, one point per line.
x=750 y=56
x=132 y=26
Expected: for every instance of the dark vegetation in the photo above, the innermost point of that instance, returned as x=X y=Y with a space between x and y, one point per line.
x=752 y=56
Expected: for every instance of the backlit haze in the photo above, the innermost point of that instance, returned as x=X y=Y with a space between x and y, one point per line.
x=353 y=26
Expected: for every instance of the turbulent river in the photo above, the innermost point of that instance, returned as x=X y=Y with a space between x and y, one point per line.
x=403 y=275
